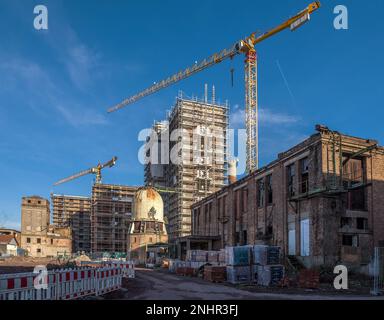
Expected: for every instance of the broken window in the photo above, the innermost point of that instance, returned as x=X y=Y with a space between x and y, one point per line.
x=350 y=240
x=245 y=237
x=260 y=193
x=362 y=223
x=269 y=189
x=345 y=222
x=304 y=175
x=353 y=172
x=290 y=180
x=356 y=199
x=244 y=200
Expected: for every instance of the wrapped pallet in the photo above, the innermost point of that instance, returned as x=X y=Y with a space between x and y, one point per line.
x=266 y=255
x=239 y=274
x=212 y=257
x=270 y=275
x=197 y=255
x=238 y=256
x=221 y=256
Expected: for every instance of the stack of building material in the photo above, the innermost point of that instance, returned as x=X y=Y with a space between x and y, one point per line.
x=197 y=255
x=266 y=255
x=239 y=274
x=221 y=257
x=309 y=279
x=270 y=275
x=239 y=265
x=267 y=270
x=215 y=273
x=213 y=257
x=238 y=256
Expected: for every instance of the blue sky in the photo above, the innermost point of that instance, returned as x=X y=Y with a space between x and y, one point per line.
x=56 y=84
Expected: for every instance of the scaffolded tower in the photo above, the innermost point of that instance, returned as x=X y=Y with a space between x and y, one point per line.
x=197 y=131
x=111 y=211
x=74 y=212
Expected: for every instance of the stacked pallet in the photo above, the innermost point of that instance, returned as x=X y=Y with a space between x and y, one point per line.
x=197 y=255
x=238 y=261
x=221 y=257
x=215 y=273
x=270 y=275
x=266 y=255
x=267 y=270
x=309 y=279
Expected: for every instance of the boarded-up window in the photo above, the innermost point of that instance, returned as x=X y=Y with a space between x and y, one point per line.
x=260 y=193
x=269 y=189
x=304 y=236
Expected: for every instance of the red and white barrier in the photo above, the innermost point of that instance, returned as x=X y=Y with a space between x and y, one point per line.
x=127 y=267
x=62 y=284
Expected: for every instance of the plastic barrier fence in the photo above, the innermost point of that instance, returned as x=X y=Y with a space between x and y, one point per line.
x=64 y=284
x=127 y=267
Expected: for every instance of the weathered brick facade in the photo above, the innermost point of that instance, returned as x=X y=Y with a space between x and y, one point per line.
x=304 y=203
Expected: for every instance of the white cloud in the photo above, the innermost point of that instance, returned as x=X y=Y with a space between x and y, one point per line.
x=80 y=64
x=79 y=117
x=34 y=82
x=266 y=117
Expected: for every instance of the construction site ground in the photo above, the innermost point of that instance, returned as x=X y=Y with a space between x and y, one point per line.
x=27 y=264
x=160 y=284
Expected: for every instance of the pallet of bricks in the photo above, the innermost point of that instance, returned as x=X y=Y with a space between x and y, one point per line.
x=194 y=260
x=239 y=264
x=267 y=270
x=309 y=279
x=215 y=273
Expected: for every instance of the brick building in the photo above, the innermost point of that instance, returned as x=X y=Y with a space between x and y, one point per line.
x=38 y=237
x=322 y=201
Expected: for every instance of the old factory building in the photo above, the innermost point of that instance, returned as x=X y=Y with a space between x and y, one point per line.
x=196 y=131
x=38 y=237
x=321 y=201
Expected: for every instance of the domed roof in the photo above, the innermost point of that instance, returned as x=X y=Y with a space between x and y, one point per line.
x=148 y=205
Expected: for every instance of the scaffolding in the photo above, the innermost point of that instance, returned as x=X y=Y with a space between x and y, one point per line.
x=74 y=212
x=202 y=158
x=111 y=212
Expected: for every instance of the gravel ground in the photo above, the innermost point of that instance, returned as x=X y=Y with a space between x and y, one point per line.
x=162 y=285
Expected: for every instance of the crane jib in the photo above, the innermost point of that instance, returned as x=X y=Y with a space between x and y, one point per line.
x=299 y=22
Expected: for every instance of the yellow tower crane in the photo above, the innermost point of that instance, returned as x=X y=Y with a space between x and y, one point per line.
x=246 y=47
x=94 y=170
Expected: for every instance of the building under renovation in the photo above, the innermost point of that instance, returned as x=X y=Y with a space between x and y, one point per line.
x=194 y=163
x=321 y=201
x=147 y=225
x=74 y=212
x=111 y=212
x=38 y=237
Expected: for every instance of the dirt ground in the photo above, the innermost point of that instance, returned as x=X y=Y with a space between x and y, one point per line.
x=162 y=285
x=27 y=264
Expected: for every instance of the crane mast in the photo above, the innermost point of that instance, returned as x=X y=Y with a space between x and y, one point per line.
x=246 y=47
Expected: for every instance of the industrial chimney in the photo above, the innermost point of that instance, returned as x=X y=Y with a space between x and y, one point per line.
x=232 y=172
